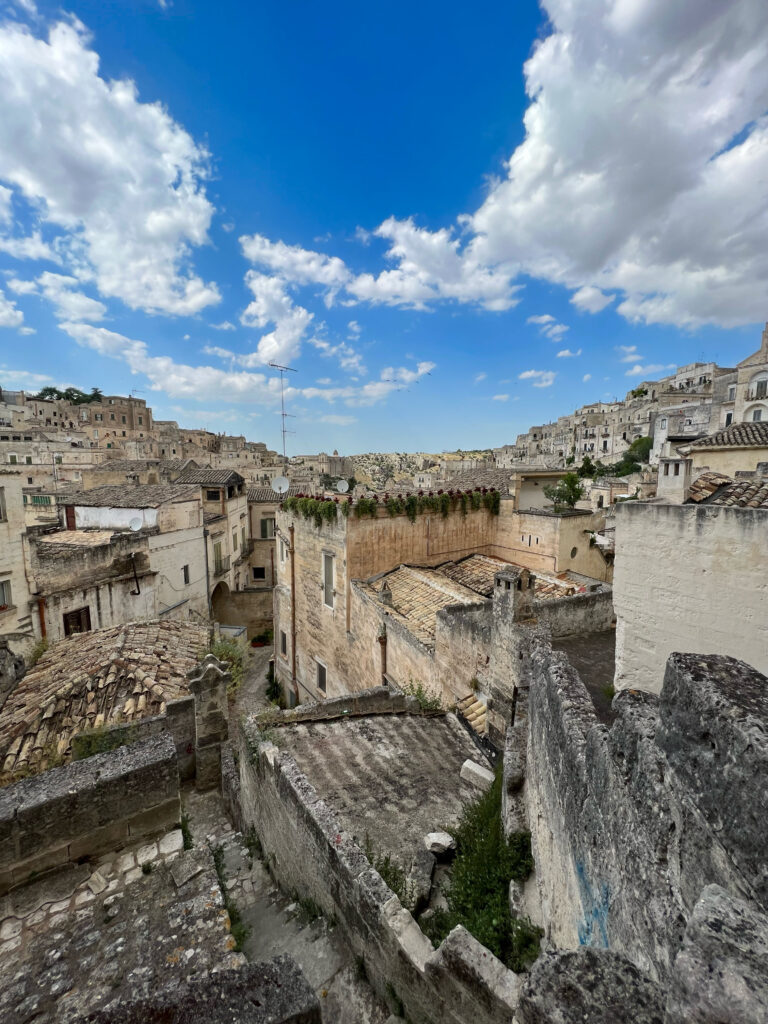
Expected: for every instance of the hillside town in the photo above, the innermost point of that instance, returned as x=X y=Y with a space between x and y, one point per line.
x=253 y=710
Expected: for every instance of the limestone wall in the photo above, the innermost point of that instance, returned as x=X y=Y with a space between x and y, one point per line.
x=463 y=640
x=251 y=608
x=629 y=825
x=87 y=807
x=582 y=613
x=688 y=579
x=310 y=854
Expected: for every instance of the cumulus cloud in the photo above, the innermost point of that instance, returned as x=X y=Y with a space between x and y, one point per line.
x=118 y=180
x=10 y=315
x=69 y=304
x=651 y=368
x=644 y=164
x=541 y=318
x=224 y=326
x=23 y=380
x=586 y=377
x=539 y=378
x=629 y=353
x=348 y=358
x=272 y=304
x=355 y=330
x=566 y=353
x=501 y=398
x=479 y=377
x=548 y=326
x=590 y=299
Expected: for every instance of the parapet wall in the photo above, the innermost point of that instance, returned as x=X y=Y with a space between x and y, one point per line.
x=630 y=824
x=311 y=855
x=581 y=613
x=87 y=807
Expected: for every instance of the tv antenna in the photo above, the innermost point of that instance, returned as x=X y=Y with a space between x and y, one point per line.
x=283 y=414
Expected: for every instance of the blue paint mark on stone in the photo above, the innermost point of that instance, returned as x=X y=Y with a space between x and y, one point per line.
x=595 y=902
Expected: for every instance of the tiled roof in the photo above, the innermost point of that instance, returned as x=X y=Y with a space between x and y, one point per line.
x=206 y=475
x=417 y=596
x=706 y=485
x=738 y=435
x=124 y=465
x=476 y=572
x=120 y=674
x=139 y=496
x=265 y=493
x=743 y=494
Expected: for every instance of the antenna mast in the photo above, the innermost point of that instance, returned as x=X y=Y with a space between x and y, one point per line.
x=283 y=414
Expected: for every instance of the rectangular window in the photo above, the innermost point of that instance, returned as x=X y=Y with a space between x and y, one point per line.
x=13 y=459
x=327 y=580
x=28 y=460
x=283 y=644
x=78 y=621
x=677 y=469
x=322 y=677
x=217 y=559
x=259 y=572
x=732 y=393
x=242 y=537
x=761 y=388
x=666 y=469
x=141 y=421
x=57 y=460
x=122 y=418
x=728 y=419
x=111 y=415
x=211 y=495
x=5 y=594
x=185 y=574
x=267 y=529
x=234 y=540
x=757 y=415
x=282 y=551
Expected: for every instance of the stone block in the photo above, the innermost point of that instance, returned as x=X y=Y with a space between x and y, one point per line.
x=172 y=843
x=44 y=861
x=594 y=985
x=208 y=767
x=439 y=843
x=146 y=854
x=155 y=818
x=99 y=840
x=468 y=964
x=477 y=775
x=420 y=879
x=721 y=971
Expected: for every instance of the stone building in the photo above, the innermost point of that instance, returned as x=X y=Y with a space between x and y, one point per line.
x=691 y=578
x=741 y=447
x=15 y=621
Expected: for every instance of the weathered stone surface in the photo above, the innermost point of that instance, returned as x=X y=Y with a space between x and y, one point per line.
x=273 y=992
x=713 y=728
x=439 y=843
x=588 y=986
x=721 y=972
x=420 y=879
x=476 y=775
x=185 y=868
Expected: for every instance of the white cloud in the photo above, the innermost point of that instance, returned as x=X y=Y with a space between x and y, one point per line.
x=69 y=304
x=362 y=236
x=644 y=163
x=337 y=421
x=22 y=287
x=27 y=330
x=220 y=353
x=23 y=380
x=349 y=359
x=224 y=326
x=120 y=180
x=629 y=353
x=590 y=299
x=272 y=304
x=540 y=378
x=355 y=330
x=542 y=318
x=586 y=377
x=548 y=326
x=324 y=381
x=566 y=353
x=501 y=398
x=300 y=266
x=479 y=377
x=647 y=371
x=5 y=205
x=10 y=315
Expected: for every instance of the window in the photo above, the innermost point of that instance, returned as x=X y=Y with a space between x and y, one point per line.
x=98 y=417
x=29 y=480
x=28 y=460
x=677 y=469
x=259 y=572
x=3 y=514
x=122 y=418
x=141 y=421
x=761 y=388
x=728 y=419
x=95 y=435
x=78 y=621
x=666 y=469
x=111 y=415
x=732 y=393
x=13 y=459
x=57 y=460
x=327 y=580
x=322 y=677
x=5 y=594
x=282 y=551
x=663 y=424
x=267 y=529
x=185 y=574
x=757 y=415
x=242 y=538
x=234 y=540
x=212 y=495
x=283 y=644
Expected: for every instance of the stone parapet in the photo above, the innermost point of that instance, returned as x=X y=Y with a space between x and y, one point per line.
x=208 y=683
x=311 y=854
x=87 y=807
x=378 y=700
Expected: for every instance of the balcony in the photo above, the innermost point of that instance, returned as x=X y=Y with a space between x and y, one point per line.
x=246 y=547
x=221 y=566
x=758 y=390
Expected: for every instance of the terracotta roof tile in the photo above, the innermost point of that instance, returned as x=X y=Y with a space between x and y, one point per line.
x=706 y=485
x=743 y=494
x=140 y=496
x=103 y=677
x=738 y=435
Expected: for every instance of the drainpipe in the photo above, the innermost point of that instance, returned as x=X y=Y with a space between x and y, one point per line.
x=291 y=531
x=207 y=576
x=383 y=644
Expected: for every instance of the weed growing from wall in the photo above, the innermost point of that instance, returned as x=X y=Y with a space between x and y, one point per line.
x=443 y=502
x=238 y=929
x=428 y=701
x=478 y=897
x=231 y=653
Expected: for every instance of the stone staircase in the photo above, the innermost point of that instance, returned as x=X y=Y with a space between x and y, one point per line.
x=474 y=712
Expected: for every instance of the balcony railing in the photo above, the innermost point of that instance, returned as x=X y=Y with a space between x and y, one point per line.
x=759 y=390
x=246 y=547
x=221 y=566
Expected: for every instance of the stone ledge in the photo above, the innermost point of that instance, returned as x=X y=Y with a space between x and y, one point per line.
x=379 y=700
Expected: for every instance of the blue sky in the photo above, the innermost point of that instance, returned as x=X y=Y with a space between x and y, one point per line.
x=453 y=222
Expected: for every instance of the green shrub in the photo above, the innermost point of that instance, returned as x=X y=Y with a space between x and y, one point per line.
x=186 y=832
x=36 y=653
x=231 y=653
x=478 y=897
x=428 y=701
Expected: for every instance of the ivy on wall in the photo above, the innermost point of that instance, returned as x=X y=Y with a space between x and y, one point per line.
x=443 y=502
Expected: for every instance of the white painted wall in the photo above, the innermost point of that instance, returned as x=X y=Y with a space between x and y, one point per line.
x=112 y=518
x=689 y=579
x=168 y=553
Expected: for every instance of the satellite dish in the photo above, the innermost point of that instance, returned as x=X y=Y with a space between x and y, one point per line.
x=280 y=484
x=342 y=486
x=135 y=524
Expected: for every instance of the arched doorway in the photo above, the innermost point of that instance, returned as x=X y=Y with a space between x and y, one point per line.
x=220 y=605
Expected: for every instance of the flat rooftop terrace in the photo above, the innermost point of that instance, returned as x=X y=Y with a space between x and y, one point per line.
x=392 y=778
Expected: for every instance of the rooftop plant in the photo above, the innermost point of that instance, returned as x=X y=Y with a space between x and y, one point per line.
x=442 y=502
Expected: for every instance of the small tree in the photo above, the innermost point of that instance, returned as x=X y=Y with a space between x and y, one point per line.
x=566 y=492
x=640 y=449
